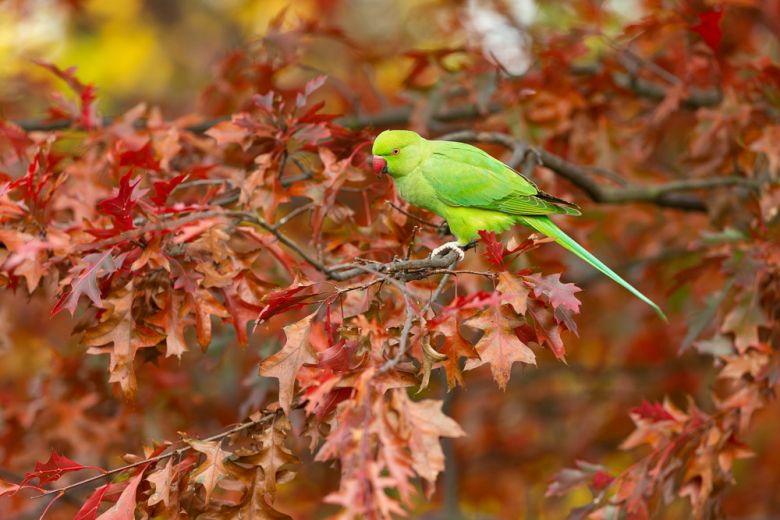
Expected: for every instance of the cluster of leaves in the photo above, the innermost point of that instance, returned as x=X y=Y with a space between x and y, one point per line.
x=158 y=254
x=158 y=234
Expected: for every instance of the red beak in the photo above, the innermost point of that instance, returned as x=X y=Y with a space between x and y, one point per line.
x=379 y=164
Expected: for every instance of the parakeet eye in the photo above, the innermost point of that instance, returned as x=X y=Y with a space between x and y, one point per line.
x=395 y=151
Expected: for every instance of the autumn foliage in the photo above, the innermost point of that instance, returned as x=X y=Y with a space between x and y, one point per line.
x=236 y=300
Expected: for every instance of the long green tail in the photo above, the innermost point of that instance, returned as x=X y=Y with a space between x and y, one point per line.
x=544 y=225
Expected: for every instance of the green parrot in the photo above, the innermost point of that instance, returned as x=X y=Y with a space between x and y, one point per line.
x=474 y=191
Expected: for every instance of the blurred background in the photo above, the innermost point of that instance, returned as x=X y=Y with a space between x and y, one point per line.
x=175 y=55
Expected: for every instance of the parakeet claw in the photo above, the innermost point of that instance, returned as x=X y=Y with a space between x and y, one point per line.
x=449 y=246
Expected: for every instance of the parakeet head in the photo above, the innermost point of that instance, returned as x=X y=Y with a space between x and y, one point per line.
x=397 y=152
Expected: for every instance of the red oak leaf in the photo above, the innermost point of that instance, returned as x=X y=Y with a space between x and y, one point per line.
x=709 y=28
x=278 y=302
x=54 y=468
x=242 y=313
x=285 y=364
x=124 y=509
x=86 y=274
x=499 y=346
x=87 y=113
x=559 y=294
x=655 y=412
x=120 y=207
x=142 y=157
x=89 y=510
x=494 y=249
x=164 y=188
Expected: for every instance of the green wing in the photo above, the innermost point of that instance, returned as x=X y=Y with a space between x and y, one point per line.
x=466 y=176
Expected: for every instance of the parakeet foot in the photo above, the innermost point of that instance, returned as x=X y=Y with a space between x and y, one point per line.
x=449 y=246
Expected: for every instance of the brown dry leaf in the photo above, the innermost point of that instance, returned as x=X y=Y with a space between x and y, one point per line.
x=214 y=468
x=743 y=321
x=514 y=290
x=124 y=509
x=499 y=346
x=161 y=479
x=205 y=306
x=172 y=319
x=426 y=423
x=27 y=258
x=257 y=506
x=118 y=327
x=284 y=365
x=152 y=256
x=752 y=362
x=274 y=457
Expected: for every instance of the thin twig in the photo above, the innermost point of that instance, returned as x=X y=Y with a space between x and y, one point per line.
x=439 y=289
x=291 y=215
x=411 y=215
x=158 y=458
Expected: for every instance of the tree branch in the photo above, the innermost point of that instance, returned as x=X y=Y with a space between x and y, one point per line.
x=666 y=195
x=243 y=426
x=389 y=117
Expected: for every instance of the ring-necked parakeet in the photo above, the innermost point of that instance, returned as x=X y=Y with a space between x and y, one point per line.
x=474 y=191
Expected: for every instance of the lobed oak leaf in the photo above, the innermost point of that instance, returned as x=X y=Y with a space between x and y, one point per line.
x=393 y=452
x=172 y=319
x=53 y=469
x=494 y=249
x=654 y=412
x=161 y=480
x=559 y=294
x=136 y=154
x=274 y=457
x=152 y=255
x=257 y=506
x=709 y=28
x=743 y=322
x=87 y=113
x=120 y=207
x=124 y=509
x=86 y=274
x=214 y=468
x=28 y=256
x=499 y=346
x=241 y=312
x=285 y=300
x=752 y=362
x=164 y=188
x=426 y=423
x=285 y=364
x=205 y=305
x=118 y=327
x=90 y=508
